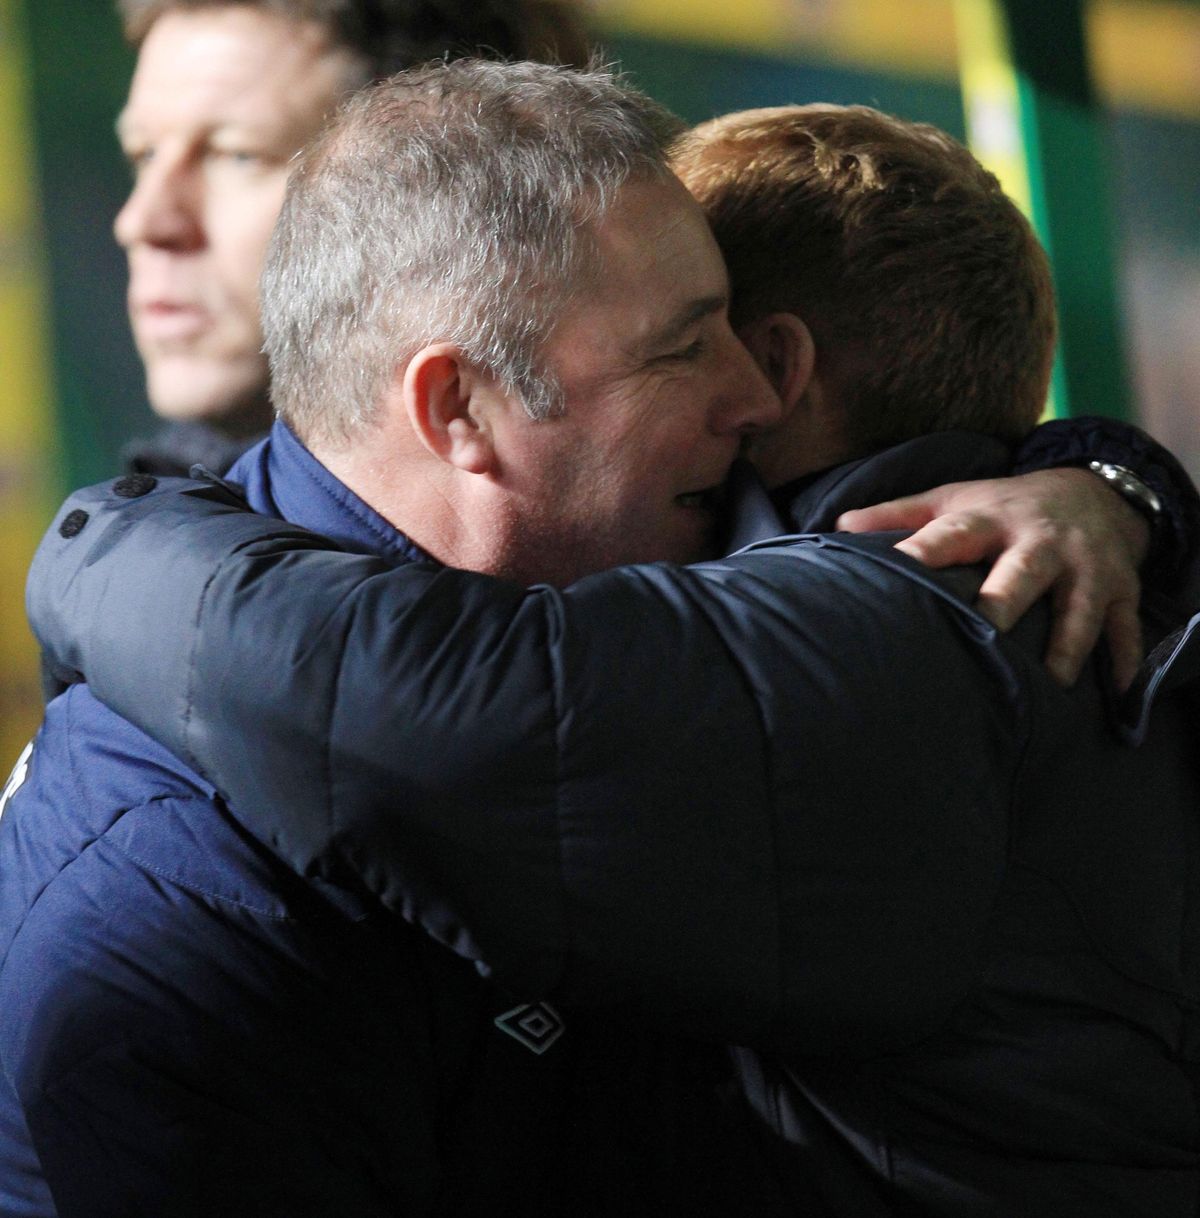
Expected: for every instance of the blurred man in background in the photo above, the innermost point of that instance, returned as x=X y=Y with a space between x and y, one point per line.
x=223 y=96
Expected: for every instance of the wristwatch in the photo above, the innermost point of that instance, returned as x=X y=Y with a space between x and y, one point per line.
x=1131 y=488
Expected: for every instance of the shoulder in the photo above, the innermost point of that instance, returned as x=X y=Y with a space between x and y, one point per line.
x=110 y=846
x=134 y=903
x=84 y=771
x=114 y=765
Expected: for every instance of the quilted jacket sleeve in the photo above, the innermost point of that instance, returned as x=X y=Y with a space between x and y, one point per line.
x=707 y=794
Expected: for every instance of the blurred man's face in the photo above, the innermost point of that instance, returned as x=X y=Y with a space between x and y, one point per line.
x=221 y=99
x=658 y=395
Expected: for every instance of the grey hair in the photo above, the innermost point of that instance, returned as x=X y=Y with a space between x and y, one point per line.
x=452 y=203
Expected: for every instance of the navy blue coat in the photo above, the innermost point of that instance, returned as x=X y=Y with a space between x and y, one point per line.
x=188 y=1027
x=804 y=800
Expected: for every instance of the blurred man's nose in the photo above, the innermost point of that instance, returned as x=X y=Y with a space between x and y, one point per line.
x=163 y=209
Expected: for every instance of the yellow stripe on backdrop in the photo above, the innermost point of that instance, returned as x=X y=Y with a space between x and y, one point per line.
x=997 y=135
x=28 y=473
x=991 y=97
x=1146 y=53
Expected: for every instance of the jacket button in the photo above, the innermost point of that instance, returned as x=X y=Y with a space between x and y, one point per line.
x=73 y=523
x=133 y=486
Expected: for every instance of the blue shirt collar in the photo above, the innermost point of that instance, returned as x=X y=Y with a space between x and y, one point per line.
x=282 y=478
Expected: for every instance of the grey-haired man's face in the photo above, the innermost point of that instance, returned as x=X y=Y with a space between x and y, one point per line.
x=221 y=100
x=658 y=396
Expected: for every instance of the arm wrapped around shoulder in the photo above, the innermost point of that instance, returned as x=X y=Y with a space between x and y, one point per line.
x=762 y=798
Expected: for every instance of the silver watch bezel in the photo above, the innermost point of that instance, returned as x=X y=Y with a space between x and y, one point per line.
x=1130 y=487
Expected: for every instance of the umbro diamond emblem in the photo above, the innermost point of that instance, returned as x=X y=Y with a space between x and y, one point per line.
x=537 y=1025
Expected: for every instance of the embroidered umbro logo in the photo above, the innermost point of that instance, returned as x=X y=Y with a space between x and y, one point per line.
x=537 y=1025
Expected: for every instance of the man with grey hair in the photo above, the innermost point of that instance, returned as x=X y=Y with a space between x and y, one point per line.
x=537 y=378
x=224 y=94
x=412 y=359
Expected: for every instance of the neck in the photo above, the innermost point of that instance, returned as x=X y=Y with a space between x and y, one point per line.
x=447 y=513
x=811 y=438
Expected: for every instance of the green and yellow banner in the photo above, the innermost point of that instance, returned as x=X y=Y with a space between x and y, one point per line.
x=1145 y=53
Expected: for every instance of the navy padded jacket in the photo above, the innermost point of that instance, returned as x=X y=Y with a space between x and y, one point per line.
x=803 y=800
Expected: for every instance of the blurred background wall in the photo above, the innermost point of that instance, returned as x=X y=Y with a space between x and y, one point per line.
x=70 y=385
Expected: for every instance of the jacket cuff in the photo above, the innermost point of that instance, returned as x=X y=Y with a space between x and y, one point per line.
x=1175 y=540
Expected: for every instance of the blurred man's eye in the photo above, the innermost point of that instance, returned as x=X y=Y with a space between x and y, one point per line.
x=239 y=156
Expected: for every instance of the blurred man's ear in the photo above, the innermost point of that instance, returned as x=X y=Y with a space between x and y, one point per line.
x=448 y=403
x=782 y=346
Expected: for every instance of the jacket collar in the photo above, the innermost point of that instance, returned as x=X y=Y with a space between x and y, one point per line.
x=282 y=478
x=813 y=504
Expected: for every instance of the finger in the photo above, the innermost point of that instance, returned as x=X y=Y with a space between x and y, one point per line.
x=1123 y=633
x=911 y=512
x=1021 y=576
x=1079 y=616
x=947 y=541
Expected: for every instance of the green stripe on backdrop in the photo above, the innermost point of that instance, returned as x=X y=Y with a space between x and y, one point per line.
x=80 y=72
x=1072 y=144
x=29 y=484
x=1032 y=118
